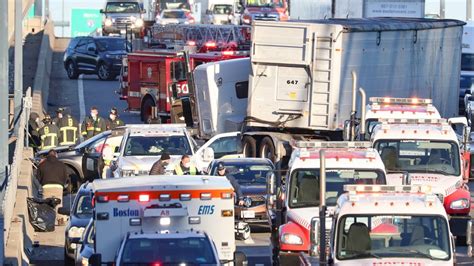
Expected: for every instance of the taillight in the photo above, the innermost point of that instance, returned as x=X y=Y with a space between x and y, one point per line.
x=191 y=43
x=144 y=198
x=228 y=53
x=211 y=44
x=102 y=199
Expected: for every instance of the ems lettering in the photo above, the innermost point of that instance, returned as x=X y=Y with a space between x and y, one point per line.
x=126 y=213
x=206 y=210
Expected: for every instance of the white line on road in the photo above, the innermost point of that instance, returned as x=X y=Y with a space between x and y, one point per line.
x=82 y=106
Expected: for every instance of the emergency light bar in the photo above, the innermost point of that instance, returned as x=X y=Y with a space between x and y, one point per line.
x=332 y=144
x=387 y=189
x=389 y=100
x=413 y=121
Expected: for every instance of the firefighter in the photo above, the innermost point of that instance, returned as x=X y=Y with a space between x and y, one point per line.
x=33 y=131
x=93 y=124
x=68 y=128
x=185 y=167
x=48 y=134
x=113 y=120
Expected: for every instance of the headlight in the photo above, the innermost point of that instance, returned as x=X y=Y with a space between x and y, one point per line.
x=128 y=172
x=75 y=232
x=291 y=239
x=112 y=56
x=139 y=23
x=85 y=262
x=108 y=22
x=459 y=204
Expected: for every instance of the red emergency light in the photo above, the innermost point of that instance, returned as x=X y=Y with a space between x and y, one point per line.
x=228 y=53
x=191 y=43
x=211 y=44
x=144 y=198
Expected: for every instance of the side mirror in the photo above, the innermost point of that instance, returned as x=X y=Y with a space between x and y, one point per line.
x=314 y=237
x=102 y=11
x=347 y=130
x=63 y=211
x=117 y=150
x=469 y=238
x=240 y=258
x=208 y=154
x=271 y=184
x=95 y=260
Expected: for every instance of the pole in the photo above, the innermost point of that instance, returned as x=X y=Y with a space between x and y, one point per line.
x=442 y=8
x=18 y=57
x=468 y=9
x=3 y=114
x=333 y=8
x=322 y=207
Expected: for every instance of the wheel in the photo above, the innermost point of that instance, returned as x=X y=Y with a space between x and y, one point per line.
x=145 y=111
x=267 y=149
x=71 y=70
x=68 y=261
x=74 y=181
x=461 y=241
x=103 y=72
x=249 y=147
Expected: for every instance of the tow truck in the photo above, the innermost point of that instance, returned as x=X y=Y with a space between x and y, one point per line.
x=382 y=225
x=154 y=207
x=292 y=205
x=428 y=152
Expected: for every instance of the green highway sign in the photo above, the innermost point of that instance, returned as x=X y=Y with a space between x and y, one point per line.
x=84 y=21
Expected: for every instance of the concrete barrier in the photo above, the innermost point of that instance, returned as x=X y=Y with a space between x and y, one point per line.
x=43 y=71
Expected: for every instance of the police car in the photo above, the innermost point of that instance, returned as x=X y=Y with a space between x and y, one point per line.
x=159 y=205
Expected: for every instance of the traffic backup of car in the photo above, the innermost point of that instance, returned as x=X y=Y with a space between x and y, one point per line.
x=336 y=181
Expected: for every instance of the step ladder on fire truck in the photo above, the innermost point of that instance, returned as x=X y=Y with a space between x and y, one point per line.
x=203 y=37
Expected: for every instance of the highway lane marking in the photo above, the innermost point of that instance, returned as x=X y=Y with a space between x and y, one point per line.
x=82 y=106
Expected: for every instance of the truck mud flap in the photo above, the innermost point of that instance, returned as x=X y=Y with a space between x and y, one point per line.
x=458 y=224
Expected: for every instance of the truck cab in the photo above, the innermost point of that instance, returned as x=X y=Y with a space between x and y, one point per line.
x=384 y=225
x=392 y=108
x=160 y=207
x=292 y=207
x=428 y=152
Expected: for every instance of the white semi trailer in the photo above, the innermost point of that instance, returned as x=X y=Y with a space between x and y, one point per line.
x=301 y=83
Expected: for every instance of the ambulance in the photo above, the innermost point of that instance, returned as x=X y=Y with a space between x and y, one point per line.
x=427 y=152
x=384 y=225
x=157 y=207
x=391 y=108
x=291 y=208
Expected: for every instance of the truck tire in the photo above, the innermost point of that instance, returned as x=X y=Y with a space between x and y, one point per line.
x=267 y=149
x=75 y=180
x=145 y=111
x=249 y=147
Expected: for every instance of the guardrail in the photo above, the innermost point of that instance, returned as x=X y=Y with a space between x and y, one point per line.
x=21 y=134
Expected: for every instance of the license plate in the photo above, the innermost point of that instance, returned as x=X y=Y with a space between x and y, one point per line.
x=247 y=214
x=122 y=32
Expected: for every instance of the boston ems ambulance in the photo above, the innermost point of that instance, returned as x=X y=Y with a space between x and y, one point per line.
x=157 y=205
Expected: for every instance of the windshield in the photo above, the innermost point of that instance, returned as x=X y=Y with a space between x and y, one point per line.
x=368 y=236
x=84 y=206
x=174 y=14
x=304 y=184
x=467 y=62
x=222 y=9
x=182 y=251
x=93 y=139
x=420 y=156
x=122 y=7
x=265 y=3
x=247 y=174
x=156 y=145
x=466 y=81
x=115 y=44
x=174 y=4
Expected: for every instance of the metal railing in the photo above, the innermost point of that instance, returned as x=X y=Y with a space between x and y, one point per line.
x=10 y=187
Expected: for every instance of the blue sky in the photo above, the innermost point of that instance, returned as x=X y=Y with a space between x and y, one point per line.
x=455 y=9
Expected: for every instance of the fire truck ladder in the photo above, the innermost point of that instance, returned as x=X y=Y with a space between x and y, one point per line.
x=321 y=96
x=202 y=34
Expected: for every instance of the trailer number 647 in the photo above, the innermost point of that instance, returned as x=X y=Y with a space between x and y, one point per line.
x=292 y=81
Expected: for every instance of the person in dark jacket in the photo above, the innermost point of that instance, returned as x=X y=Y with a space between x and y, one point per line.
x=221 y=171
x=93 y=124
x=68 y=128
x=114 y=120
x=33 y=131
x=159 y=167
x=52 y=175
x=49 y=134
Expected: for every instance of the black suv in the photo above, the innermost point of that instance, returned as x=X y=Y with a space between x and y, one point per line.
x=95 y=55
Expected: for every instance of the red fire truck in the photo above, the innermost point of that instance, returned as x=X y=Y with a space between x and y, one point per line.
x=154 y=78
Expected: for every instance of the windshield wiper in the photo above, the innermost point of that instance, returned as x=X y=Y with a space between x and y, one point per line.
x=361 y=254
x=417 y=252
